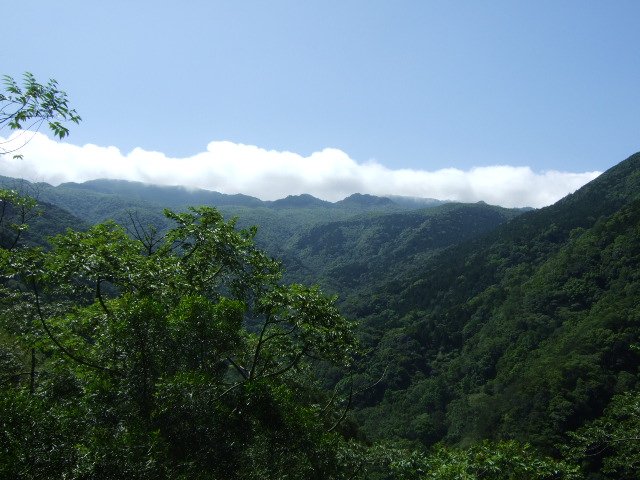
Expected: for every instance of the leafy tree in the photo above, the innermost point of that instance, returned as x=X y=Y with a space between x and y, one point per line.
x=16 y=211
x=27 y=428
x=504 y=460
x=27 y=105
x=189 y=360
x=31 y=104
x=181 y=358
x=610 y=443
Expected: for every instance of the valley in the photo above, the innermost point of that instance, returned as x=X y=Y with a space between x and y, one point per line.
x=476 y=323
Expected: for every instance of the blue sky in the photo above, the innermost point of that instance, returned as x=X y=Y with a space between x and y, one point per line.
x=419 y=85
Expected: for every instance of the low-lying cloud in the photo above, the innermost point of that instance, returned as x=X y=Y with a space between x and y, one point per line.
x=267 y=174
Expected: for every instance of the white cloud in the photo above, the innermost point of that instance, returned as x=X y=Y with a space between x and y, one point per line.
x=329 y=174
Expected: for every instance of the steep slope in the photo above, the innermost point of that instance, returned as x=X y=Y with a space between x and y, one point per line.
x=44 y=221
x=351 y=254
x=51 y=220
x=26 y=223
x=525 y=333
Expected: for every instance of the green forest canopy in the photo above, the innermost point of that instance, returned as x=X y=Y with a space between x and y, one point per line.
x=181 y=353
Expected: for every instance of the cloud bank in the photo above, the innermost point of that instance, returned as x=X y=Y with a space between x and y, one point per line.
x=329 y=174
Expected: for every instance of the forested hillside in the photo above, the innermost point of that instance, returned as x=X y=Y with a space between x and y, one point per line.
x=351 y=255
x=526 y=333
x=474 y=323
x=280 y=220
x=23 y=220
x=348 y=243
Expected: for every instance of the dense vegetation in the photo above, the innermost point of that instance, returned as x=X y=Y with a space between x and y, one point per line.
x=485 y=343
x=525 y=334
x=183 y=357
x=334 y=244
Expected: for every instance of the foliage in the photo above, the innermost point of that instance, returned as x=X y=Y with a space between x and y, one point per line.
x=610 y=442
x=523 y=334
x=29 y=105
x=190 y=359
x=175 y=350
x=345 y=246
x=505 y=460
x=495 y=461
x=16 y=212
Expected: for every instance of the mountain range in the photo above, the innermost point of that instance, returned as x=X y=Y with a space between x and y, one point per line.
x=478 y=322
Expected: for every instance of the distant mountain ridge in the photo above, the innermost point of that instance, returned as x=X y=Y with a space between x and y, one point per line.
x=180 y=195
x=365 y=200
x=281 y=222
x=305 y=200
x=346 y=241
x=169 y=196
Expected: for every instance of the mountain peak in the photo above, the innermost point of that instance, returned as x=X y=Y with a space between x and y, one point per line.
x=365 y=200
x=303 y=200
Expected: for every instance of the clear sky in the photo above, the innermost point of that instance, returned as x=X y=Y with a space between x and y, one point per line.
x=404 y=86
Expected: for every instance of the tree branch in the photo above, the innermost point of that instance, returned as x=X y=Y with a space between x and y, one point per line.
x=293 y=363
x=346 y=409
x=256 y=353
x=62 y=348
x=99 y=297
x=241 y=370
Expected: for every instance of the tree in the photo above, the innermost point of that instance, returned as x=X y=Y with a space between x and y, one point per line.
x=16 y=211
x=27 y=106
x=610 y=443
x=151 y=358
x=505 y=460
x=188 y=360
x=31 y=104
